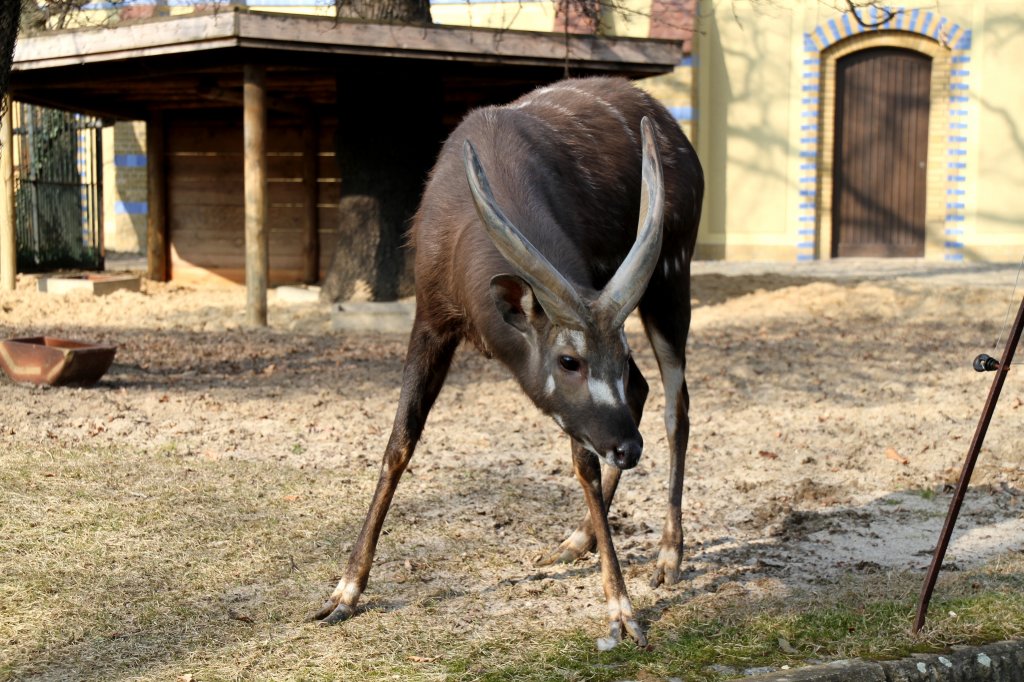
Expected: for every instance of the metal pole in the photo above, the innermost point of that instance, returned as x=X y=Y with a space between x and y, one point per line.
x=965 y=474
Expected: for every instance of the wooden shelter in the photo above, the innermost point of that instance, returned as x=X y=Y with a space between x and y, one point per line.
x=249 y=114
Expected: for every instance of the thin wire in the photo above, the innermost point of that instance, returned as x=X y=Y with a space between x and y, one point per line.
x=1009 y=307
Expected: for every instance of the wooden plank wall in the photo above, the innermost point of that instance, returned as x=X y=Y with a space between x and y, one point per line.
x=205 y=196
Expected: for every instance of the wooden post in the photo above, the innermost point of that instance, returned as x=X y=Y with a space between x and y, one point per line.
x=311 y=214
x=157 y=246
x=257 y=262
x=8 y=248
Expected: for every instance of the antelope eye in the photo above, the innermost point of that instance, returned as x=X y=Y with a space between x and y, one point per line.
x=569 y=363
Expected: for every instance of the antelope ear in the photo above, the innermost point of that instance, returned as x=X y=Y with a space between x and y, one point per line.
x=514 y=299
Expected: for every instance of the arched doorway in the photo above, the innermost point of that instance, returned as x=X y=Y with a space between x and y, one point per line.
x=882 y=108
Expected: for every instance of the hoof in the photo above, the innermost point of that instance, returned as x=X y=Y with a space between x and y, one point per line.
x=330 y=614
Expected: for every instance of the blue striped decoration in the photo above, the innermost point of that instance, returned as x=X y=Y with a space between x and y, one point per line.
x=835 y=29
x=921 y=21
x=130 y=160
x=131 y=207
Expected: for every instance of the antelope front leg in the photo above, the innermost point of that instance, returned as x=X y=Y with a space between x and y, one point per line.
x=620 y=610
x=426 y=367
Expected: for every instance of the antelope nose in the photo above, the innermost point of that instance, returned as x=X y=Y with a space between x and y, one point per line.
x=626 y=455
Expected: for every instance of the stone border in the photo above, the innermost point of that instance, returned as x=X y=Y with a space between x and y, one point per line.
x=998 y=662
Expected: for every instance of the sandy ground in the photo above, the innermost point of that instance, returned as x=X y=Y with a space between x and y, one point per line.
x=832 y=406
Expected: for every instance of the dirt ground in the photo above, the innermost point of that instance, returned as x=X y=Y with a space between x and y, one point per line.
x=832 y=406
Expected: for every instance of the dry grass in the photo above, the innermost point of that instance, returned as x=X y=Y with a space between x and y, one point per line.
x=120 y=565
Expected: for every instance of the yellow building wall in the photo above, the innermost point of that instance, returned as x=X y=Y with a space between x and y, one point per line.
x=997 y=229
x=524 y=16
x=743 y=136
x=765 y=104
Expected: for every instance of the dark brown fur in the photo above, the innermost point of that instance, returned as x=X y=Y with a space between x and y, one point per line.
x=539 y=158
x=564 y=163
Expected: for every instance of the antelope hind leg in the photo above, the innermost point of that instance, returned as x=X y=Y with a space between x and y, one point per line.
x=669 y=349
x=583 y=540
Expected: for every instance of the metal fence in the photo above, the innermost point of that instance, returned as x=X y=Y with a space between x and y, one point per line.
x=58 y=189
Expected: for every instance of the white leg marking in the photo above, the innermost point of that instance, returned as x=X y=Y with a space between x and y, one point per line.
x=578 y=540
x=669 y=555
x=347 y=592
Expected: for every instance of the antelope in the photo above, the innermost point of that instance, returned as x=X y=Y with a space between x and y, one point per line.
x=524 y=247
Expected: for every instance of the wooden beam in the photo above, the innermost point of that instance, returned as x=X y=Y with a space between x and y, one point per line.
x=257 y=260
x=219 y=94
x=8 y=247
x=311 y=214
x=157 y=243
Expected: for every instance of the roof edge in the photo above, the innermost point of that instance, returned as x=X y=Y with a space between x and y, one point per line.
x=298 y=33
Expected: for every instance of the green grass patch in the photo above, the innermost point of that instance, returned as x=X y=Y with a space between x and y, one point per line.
x=118 y=565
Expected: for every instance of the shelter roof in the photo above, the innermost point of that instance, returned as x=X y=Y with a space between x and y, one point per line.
x=196 y=60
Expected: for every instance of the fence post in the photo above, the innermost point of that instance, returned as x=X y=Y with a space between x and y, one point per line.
x=8 y=247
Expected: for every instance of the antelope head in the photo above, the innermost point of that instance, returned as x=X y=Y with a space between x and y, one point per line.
x=576 y=364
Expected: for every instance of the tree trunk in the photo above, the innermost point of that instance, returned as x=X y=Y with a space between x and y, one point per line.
x=389 y=133
x=386 y=11
x=9 y=17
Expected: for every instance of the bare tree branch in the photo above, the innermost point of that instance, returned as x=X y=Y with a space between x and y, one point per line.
x=887 y=14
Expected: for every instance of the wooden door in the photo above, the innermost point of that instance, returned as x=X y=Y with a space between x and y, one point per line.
x=881 y=153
